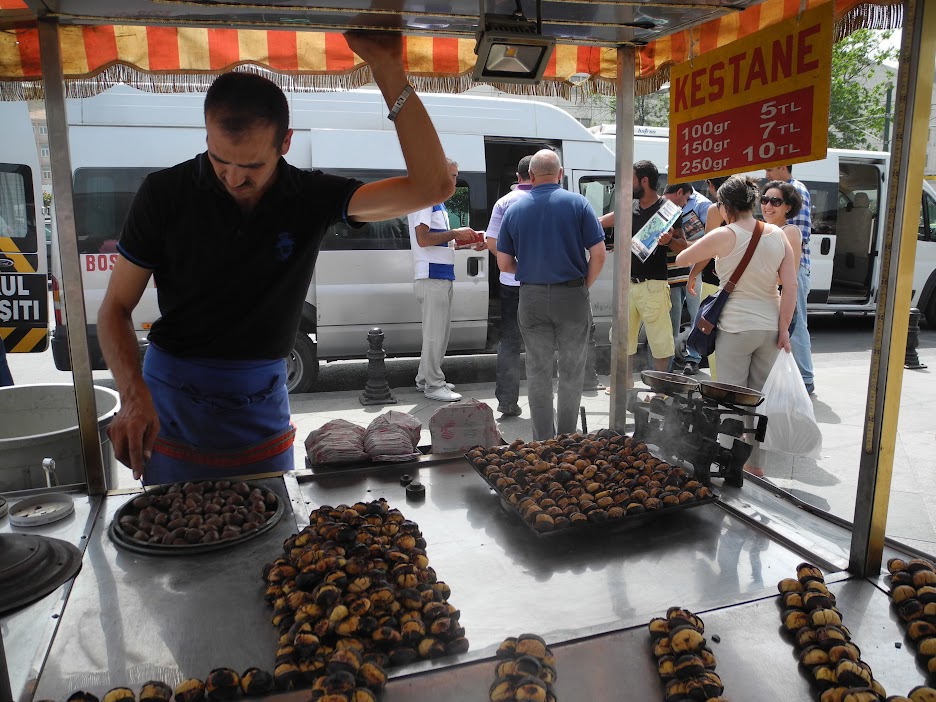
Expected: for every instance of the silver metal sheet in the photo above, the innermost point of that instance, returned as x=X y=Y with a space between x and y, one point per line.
x=755 y=659
x=27 y=633
x=131 y=618
x=506 y=581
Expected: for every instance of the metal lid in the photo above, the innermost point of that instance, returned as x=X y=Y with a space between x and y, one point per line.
x=4 y=508
x=32 y=566
x=41 y=509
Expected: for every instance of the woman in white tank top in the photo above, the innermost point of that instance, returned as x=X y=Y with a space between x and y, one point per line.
x=754 y=325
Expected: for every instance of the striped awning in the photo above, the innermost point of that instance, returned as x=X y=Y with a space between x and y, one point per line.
x=167 y=58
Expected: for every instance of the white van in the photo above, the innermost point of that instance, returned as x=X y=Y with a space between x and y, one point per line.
x=363 y=277
x=848 y=191
x=24 y=306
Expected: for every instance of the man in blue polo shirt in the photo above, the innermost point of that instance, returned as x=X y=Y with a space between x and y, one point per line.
x=434 y=259
x=543 y=240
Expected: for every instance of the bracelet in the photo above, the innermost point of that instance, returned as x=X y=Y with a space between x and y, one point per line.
x=400 y=101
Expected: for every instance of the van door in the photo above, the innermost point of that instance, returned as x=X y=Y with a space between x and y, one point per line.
x=855 y=256
x=364 y=279
x=598 y=189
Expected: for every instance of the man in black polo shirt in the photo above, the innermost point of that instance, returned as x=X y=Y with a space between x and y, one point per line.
x=649 y=290
x=231 y=238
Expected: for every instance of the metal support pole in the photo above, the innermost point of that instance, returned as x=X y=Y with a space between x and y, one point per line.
x=905 y=181
x=75 y=316
x=623 y=226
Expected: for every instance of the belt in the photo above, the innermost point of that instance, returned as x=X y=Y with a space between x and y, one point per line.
x=575 y=283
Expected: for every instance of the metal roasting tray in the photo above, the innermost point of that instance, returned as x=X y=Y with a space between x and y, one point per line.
x=730 y=394
x=124 y=541
x=590 y=527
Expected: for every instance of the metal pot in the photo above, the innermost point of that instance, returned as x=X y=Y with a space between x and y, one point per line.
x=669 y=383
x=730 y=394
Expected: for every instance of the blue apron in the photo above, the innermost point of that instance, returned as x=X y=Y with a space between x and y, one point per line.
x=218 y=418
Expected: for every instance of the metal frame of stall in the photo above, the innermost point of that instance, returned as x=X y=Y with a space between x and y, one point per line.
x=918 y=50
x=876 y=461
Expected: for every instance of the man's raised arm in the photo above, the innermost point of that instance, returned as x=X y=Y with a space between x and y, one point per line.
x=427 y=180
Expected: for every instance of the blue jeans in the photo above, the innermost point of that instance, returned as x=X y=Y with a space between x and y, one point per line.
x=692 y=303
x=507 y=386
x=799 y=339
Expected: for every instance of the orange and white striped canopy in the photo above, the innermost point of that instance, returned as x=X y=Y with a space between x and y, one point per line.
x=161 y=57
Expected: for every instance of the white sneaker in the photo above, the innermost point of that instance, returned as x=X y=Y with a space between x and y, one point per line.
x=422 y=386
x=442 y=394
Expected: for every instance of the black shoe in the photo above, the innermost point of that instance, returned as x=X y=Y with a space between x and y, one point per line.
x=810 y=388
x=691 y=368
x=511 y=410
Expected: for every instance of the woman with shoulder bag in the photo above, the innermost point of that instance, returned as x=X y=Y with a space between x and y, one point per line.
x=754 y=323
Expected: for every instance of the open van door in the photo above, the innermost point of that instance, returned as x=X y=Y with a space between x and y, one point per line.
x=822 y=178
x=598 y=189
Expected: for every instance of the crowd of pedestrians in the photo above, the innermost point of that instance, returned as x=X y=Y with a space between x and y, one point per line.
x=549 y=245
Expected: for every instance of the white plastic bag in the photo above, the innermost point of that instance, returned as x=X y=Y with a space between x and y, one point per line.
x=791 y=422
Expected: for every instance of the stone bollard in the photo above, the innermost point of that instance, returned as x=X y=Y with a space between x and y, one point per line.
x=377 y=390
x=911 y=359
x=590 y=380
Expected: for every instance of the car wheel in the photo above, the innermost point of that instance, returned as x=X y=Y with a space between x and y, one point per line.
x=302 y=365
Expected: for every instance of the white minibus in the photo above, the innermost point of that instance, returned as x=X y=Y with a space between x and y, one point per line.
x=363 y=277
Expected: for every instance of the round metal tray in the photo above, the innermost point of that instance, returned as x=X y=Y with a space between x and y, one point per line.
x=730 y=394
x=669 y=383
x=120 y=538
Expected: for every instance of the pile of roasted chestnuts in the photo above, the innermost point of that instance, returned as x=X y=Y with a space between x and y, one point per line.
x=824 y=643
x=578 y=479
x=357 y=583
x=684 y=661
x=203 y=512
x=525 y=671
x=913 y=592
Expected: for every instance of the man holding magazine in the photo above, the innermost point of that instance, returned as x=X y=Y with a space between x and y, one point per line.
x=649 y=289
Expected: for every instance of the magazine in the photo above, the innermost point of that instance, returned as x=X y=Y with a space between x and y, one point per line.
x=644 y=242
x=692 y=226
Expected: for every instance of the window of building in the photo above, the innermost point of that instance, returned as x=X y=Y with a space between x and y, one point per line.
x=47 y=175
x=44 y=151
x=43 y=130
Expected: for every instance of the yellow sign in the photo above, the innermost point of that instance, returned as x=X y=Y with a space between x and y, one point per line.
x=757 y=102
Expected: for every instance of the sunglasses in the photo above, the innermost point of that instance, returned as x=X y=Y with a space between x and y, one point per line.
x=775 y=201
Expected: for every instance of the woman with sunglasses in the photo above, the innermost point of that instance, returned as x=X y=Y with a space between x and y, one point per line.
x=780 y=202
x=754 y=323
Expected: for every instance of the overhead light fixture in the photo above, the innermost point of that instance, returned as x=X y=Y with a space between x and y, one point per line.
x=511 y=48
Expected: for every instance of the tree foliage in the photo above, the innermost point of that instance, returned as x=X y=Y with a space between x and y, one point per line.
x=859 y=89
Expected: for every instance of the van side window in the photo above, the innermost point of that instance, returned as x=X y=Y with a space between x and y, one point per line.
x=102 y=200
x=390 y=234
x=17 y=209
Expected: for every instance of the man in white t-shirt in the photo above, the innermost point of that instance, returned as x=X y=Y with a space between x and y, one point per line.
x=434 y=257
x=507 y=386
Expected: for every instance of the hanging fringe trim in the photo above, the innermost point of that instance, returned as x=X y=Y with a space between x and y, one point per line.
x=117 y=74
x=870 y=17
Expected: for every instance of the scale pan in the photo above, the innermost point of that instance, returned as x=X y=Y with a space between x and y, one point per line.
x=730 y=394
x=669 y=383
